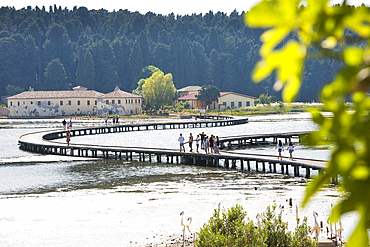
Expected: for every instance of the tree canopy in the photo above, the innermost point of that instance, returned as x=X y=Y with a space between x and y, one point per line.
x=341 y=33
x=208 y=94
x=102 y=49
x=159 y=90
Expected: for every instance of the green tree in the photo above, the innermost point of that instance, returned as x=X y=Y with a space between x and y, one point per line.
x=12 y=90
x=327 y=29
x=208 y=94
x=159 y=90
x=55 y=76
x=145 y=73
x=263 y=99
x=136 y=61
x=85 y=73
x=106 y=76
x=58 y=45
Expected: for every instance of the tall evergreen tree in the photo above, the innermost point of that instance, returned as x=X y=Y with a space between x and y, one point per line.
x=136 y=63
x=55 y=76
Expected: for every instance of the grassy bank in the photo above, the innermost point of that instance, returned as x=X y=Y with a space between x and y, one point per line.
x=275 y=108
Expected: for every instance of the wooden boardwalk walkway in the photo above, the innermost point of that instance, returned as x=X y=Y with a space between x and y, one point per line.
x=41 y=142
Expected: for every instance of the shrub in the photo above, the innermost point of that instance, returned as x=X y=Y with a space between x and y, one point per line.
x=232 y=228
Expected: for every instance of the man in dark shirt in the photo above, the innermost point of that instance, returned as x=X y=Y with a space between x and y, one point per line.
x=202 y=140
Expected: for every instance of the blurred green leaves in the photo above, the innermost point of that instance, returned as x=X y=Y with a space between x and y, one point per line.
x=339 y=32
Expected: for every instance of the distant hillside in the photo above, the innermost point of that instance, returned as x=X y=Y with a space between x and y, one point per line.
x=61 y=48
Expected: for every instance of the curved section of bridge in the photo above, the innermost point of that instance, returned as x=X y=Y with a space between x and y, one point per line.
x=41 y=142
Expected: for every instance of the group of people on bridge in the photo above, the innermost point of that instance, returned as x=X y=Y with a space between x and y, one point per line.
x=210 y=144
x=67 y=128
x=280 y=148
x=114 y=120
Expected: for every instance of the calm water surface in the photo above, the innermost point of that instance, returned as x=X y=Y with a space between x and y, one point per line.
x=119 y=203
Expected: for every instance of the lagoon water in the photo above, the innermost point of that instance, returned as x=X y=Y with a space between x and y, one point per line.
x=92 y=202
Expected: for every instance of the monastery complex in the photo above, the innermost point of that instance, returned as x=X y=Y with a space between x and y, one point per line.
x=78 y=101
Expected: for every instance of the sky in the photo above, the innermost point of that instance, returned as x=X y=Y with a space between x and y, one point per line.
x=163 y=7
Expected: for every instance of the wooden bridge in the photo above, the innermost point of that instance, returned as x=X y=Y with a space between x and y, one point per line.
x=258 y=139
x=41 y=142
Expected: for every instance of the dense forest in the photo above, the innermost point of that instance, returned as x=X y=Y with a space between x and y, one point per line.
x=58 y=48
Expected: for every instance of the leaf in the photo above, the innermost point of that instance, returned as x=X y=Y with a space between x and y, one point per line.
x=272 y=13
x=315 y=185
x=353 y=56
x=359 y=236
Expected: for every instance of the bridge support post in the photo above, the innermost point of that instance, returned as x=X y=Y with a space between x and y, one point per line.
x=233 y=164
x=308 y=172
x=287 y=170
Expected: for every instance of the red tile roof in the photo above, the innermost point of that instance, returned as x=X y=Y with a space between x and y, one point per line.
x=226 y=93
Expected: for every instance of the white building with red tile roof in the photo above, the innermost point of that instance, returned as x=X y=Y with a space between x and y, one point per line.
x=78 y=101
x=226 y=99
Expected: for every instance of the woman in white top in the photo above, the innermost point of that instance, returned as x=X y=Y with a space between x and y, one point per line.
x=291 y=149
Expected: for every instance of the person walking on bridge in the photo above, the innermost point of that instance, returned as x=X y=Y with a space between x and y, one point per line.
x=280 y=148
x=64 y=124
x=68 y=137
x=181 y=140
x=291 y=149
x=197 y=143
x=191 y=142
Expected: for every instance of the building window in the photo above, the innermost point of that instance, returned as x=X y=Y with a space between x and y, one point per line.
x=19 y=103
x=113 y=101
x=49 y=103
x=247 y=103
x=232 y=104
x=132 y=101
x=239 y=104
x=24 y=102
x=119 y=101
x=38 y=103
x=129 y=101
x=96 y=102
x=69 y=102
x=126 y=102
x=139 y=101
x=11 y=103
x=107 y=102
x=61 y=102
x=224 y=103
x=135 y=101
x=78 y=102
x=31 y=102
x=88 y=102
